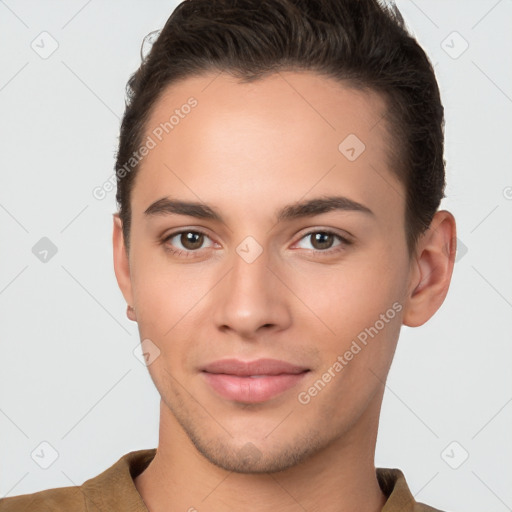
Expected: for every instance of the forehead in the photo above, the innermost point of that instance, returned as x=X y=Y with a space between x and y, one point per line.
x=309 y=103
x=291 y=132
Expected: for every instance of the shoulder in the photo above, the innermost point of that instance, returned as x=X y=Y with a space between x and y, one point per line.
x=112 y=490
x=51 y=500
x=399 y=497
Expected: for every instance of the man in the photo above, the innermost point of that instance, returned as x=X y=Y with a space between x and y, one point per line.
x=280 y=168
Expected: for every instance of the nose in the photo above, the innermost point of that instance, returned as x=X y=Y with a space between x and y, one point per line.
x=251 y=298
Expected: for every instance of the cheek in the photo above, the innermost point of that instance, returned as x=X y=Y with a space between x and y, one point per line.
x=166 y=301
x=170 y=301
x=159 y=294
x=353 y=293
x=362 y=310
x=355 y=309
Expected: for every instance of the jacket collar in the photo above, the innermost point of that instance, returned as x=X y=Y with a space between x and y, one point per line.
x=114 y=489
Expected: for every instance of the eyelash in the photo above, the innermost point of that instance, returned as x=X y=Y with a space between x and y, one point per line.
x=315 y=252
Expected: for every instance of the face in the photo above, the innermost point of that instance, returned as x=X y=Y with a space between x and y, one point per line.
x=295 y=252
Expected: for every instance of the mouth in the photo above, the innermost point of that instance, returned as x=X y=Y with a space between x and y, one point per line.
x=252 y=381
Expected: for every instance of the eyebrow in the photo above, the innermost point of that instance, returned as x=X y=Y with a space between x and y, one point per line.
x=309 y=208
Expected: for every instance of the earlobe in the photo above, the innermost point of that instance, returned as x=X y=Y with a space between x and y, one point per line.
x=121 y=261
x=432 y=270
x=130 y=313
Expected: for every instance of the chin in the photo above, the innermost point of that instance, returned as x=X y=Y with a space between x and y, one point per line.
x=254 y=458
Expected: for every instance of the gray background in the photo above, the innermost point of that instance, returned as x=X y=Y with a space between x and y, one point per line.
x=68 y=373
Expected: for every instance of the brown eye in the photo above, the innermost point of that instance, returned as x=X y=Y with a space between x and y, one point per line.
x=191 y=240
x=187 y=242
x=321 y=240
x=324 y=242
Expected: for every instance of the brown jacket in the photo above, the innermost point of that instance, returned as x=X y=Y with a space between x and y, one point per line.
x=114 y=491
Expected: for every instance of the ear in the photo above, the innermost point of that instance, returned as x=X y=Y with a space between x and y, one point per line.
x=431 y=270
x=122 y=264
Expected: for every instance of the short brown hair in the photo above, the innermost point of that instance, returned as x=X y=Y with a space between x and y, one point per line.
x=360 y=43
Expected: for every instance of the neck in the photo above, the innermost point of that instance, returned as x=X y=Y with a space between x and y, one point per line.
x=340 y=478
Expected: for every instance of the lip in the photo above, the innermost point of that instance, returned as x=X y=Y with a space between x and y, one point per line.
x=252 y=381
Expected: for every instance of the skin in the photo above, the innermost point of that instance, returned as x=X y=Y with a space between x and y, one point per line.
x=247 y=150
